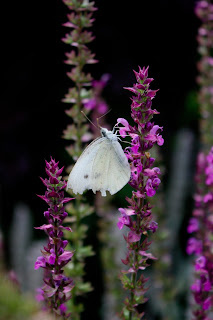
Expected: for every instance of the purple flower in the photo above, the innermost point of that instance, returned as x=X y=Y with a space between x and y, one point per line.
x=40 y=263
x=200 y=263
x=151 y=172
x=63 y=308
x=124 y=220
x=207 y=303
x=207 y=286
x=123 y=130
x=56 y=290
x=91 y=104
x=154 y=135
x=65 y=256
x=207 y=197
x=39 y=295
x=201 y=243
x=52 y=257
x=193 y=225
x=153 y=226
x=194 y=246
x=196 y=286
x=149 y=188
x=133 y=237
x=145 y=181
x=97 y=103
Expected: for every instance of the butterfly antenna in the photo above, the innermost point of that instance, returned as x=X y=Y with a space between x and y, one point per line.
x=103 y=115
x=89 y=119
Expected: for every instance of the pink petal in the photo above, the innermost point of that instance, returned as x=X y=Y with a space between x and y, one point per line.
x=44 y=227
x=133 y=237
x=123 y=121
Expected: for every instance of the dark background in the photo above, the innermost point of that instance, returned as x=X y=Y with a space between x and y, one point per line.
x=161 y=34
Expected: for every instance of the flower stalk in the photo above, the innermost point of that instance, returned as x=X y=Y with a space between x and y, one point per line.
x=200 y=225
x=80 y=18
x=204 y=11
x=57 y=289
x=201 y=242
x=144 y=179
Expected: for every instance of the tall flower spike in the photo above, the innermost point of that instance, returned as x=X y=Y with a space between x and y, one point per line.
x=200 y=225
x=145 y=180
x=200 y=243
x=80 y=18
x=204 y=11
x=57 y=288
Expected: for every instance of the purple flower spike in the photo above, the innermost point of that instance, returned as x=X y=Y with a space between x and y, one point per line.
x=56 y=290
x=201 y=243
x=145 y=179
x=201 y=224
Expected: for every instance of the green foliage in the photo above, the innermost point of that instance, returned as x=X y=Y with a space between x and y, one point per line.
x=126 y=281
x=78 y=132
x=13 y=305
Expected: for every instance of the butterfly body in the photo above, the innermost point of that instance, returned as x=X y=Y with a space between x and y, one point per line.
x=102 y=166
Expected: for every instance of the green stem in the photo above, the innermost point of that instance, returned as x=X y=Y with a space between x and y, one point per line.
x=132 y=293
x=137 y=245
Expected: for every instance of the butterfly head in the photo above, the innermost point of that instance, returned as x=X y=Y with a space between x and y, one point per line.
x=108 y=134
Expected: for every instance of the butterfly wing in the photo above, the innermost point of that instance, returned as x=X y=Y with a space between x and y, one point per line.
x=111 y=170
x=119 y=169
x=102 y=167
x=81 y=175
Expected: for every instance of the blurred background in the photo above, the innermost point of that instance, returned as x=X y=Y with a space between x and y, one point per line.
x=159 y=34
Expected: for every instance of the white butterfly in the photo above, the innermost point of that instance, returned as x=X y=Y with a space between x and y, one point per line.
x=102 y=166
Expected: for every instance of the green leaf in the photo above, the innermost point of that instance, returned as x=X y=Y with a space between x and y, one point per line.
x=84 y=252
x=70 y=133
x=126 y=281
x=85 y=287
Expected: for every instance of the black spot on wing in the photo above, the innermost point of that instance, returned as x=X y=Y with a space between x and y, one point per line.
x=86 y=176
x=97 y=175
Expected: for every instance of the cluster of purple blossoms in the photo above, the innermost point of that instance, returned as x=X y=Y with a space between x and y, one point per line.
x=97 y=103
x=201 y=244
x=57 y=288
x=145 y=180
